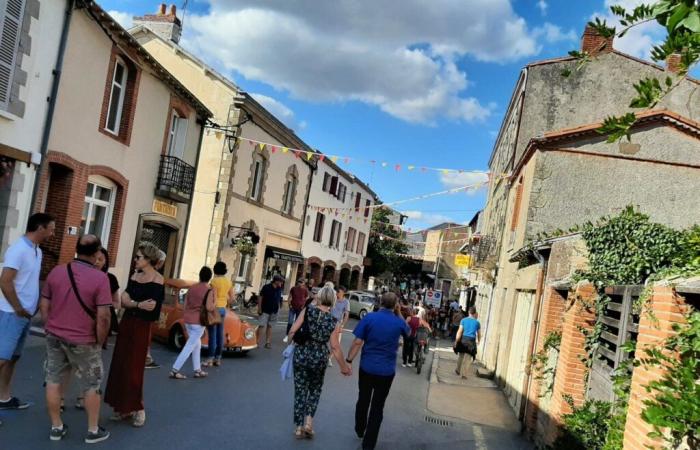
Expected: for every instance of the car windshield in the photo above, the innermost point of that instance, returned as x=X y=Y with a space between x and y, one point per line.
x=367 y=299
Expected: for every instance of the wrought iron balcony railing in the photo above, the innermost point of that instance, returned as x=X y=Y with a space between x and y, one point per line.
x=175 y=179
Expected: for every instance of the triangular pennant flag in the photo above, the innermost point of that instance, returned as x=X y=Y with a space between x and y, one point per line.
x=297 y=153
x=346 y=160
x=383 y=164
x=262 y=147
x=309 y=155
x=397 y=167
x=252 y=144
x=334 y=159
x=273 y=149
x=423 y=169
x=372 y=161
x=321 y=157
x=445 y=171
x=411 y=167
x=461 y=171
x=285 y=149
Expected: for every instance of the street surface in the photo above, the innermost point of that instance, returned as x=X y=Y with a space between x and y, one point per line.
x=244 y=404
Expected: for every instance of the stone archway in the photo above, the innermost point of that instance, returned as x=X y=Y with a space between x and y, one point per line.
x=328 y=272
x=344 y=278
x=355 y=278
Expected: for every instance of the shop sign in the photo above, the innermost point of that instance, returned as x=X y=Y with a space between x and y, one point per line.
x=165 y=209
x=463 y=260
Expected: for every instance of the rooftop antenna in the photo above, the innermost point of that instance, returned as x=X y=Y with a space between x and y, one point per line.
x=184 y=11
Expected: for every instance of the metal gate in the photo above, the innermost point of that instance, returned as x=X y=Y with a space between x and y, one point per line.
x=619 y=325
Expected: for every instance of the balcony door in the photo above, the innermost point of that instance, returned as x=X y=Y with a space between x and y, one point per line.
x=177 y=135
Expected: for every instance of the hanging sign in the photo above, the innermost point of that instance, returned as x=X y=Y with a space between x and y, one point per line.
x=463 y=260
x=165 y=209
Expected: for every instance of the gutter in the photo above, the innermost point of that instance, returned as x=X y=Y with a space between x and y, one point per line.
x=189 y=206
x=306 y=202
x=46 y=132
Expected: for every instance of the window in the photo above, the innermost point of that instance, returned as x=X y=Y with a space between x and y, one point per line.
x=334 y=186
x=326 y=182
x=358 y=200
x=336 y=229
x=289 y=191
x=367 y=205
x=318 y=228
x=361 y=243
x=257 y=175
x=243 y=267
x=11 y=15
x=177 y=135
x=340 y=195
x=116 y=97
x=350 y=243
x=97 y=210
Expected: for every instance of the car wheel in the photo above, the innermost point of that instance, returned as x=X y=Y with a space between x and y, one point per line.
x=363 y=313
x=177 y=337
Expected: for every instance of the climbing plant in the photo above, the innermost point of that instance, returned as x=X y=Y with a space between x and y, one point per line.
x=542 y=366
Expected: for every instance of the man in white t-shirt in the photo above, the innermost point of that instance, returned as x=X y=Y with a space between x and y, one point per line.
x=19 y=284
x=454 y=306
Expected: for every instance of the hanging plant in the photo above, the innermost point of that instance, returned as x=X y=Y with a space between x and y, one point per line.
x=245 y=246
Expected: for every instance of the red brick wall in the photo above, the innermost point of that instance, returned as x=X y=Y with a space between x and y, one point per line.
x=553 y=306
x=130 y=97
x=570 y=375
x=593 y=43
x=668 y=309
x=62 y=187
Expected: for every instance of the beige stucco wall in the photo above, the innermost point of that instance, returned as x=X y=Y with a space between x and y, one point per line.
x=77 y=118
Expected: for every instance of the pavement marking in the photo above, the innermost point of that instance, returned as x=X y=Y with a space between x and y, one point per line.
x=479 y=439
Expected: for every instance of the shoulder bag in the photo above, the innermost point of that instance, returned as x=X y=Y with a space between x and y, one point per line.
x=303 y=334
x=88 y=311
x=206 y=317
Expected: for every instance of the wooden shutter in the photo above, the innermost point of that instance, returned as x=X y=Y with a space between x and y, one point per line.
x=358 y=200
x=516 y=207
x=11 y=13
x=334 y=185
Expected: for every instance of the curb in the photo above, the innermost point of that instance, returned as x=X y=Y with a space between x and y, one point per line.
x=434 y=368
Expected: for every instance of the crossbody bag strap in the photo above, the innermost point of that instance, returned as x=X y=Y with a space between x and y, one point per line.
x=204 y=302
x=87 y=310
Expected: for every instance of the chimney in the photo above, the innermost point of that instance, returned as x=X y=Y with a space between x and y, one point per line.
x=593 y=43
x=164 y=23
x=673 y=63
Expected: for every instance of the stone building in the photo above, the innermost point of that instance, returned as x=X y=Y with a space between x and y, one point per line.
x=244 y=189
x=561 y=172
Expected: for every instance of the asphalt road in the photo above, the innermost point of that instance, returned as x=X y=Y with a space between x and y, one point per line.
x=245 y=405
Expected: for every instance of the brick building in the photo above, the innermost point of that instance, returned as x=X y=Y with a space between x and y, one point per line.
x=123 y=148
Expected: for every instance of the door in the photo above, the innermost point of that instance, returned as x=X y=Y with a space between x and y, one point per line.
x=518 y=357
x=165 y=238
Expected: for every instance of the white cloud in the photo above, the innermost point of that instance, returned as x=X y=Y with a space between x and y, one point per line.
x=553 y=33
x=542 y=6
x=123 y=18
x=400 y=57
x=455 y=180
x=428 y=219
x=638 y=40
x=281 y=111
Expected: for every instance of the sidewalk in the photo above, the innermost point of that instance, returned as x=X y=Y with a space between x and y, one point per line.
x=474 y=399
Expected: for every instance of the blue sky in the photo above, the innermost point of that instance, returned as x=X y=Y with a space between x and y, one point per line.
x=389 y=80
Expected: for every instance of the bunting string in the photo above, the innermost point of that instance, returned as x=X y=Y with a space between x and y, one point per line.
x=415 y=242
x=319 y=156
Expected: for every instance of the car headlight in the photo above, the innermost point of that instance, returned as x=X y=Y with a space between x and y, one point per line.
x=249 y=334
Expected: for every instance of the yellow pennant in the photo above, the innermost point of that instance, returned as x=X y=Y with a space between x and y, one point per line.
x=411 y=167
x=334 y=159
x=285 y=149
x=309 y=155
x=262 y=147
x=445 y=171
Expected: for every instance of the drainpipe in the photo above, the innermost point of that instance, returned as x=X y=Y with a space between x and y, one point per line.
x=46 y=132
x=306 y=207
x=189 y=207
x=534 y=333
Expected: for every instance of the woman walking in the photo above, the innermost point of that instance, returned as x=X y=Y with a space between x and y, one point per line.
x=198 y=296
x=311 y=358
x=223 y=291
x=142 y=301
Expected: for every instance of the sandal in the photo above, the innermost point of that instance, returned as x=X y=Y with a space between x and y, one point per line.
x=207 y=363
x=268 y=345
x=200 y=374
x=176 y=375
x=217 y=362
x=309 y=432
x=299 y=433
x=139 y=419
x=118 y=417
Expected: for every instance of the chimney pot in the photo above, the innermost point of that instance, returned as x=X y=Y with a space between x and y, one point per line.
x=593 y=43
x=161 y=9
x=673 y=63
x=173 y=10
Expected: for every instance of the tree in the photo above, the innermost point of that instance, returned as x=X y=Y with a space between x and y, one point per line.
x=681 y=19
x=385 y=244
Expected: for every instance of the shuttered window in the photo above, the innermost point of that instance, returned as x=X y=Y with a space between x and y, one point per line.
x=11 y=13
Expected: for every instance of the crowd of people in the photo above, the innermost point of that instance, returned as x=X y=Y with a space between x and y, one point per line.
x=79 y=301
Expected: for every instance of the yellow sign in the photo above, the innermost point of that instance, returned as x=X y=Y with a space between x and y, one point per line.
x=463 y=260
x=165 y=209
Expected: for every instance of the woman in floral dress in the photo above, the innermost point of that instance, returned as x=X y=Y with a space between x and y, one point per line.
x=311 y=358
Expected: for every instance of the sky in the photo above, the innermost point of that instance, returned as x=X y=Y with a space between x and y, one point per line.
x=405 y=82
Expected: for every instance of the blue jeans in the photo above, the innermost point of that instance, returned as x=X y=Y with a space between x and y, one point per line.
x=216 y=337
x=13 y=332
x=291 y=318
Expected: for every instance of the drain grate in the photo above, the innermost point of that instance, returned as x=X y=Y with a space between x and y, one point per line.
x=436 y=421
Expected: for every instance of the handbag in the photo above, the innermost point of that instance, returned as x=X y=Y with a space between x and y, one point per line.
x=303 y=334
x=208 y=318
x=287 y=368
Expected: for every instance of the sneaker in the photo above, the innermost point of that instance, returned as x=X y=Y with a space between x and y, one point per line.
x=330 y=363
x=97 y=436
x=286 y=339
x=152 y=365
x=403 y=364
x=14 y=403
x=410 y=364
x=57 y=434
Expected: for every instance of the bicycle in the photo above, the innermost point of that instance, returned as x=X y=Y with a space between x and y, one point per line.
x=421 y=346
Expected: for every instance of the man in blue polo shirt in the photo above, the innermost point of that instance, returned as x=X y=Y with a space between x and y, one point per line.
x=378 y=337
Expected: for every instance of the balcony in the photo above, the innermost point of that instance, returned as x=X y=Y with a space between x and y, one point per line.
x=175 y=179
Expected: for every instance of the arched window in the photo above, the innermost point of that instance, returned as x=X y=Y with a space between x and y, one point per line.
x=290 y=189
x=116 y=98
x=98 y=208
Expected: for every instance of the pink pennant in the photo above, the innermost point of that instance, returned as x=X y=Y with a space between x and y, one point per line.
x=297 y=153
x=346 y=160
x=273 y=149
x=423 y=169
x=322 y=157
x=397 y=167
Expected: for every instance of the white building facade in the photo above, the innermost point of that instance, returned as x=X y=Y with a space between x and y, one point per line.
x=337 y=227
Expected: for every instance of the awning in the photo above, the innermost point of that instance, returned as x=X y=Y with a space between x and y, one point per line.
x=283 y=254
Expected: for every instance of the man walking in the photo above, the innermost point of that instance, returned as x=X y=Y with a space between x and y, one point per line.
x=269 y=302
x=378 y=337
x=75 y=305
x=19 y=283
x=297 y=300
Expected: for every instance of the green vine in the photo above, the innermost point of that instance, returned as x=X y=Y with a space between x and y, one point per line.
x=540 y=363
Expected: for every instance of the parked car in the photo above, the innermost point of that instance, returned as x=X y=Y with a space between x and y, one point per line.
x=361 y=303
x=239 y=335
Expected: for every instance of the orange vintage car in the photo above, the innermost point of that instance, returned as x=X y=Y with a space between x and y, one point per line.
x=239 y=335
